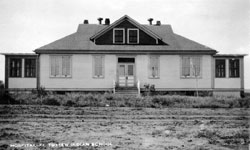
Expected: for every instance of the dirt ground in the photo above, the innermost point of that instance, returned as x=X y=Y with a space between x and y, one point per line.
x=53 y=127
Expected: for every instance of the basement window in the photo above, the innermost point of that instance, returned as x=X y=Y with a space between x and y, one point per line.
x=118 y=36
x=133 y=36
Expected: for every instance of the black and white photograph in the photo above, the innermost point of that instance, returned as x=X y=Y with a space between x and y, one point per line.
x=124 y=74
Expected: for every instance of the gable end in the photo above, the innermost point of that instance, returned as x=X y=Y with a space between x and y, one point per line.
x=126 y=25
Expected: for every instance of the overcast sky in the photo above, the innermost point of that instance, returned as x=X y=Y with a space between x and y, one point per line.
x=223 y=25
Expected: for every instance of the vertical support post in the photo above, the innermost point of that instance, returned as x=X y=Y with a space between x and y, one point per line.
x=7 y=65
x=138 y=86
x=22 y=67
x=114 y=86
x=38 y=71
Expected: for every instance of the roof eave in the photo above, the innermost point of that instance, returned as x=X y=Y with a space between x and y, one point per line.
x=64 y=51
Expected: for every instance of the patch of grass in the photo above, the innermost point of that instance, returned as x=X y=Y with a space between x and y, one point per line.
x=233 y=137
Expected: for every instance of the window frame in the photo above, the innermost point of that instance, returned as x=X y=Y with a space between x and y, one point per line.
x=103 y=67
x=128 y=35
x=225 y=68
x=60 y=75
x=191 y=76
x=237 y=68
x=30 y=67
x=20 y=67
x=158 y=67
x=123 y=37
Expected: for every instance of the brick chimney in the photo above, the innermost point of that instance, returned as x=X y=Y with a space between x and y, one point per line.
x=107 y=21
x=85 y=22
x=158 y=23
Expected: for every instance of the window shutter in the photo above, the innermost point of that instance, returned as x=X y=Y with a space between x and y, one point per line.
x=66 y=65
x=98 y=66
x=102 y=69
x=58 y=60
x=195 y=66
x=53 y=66
x=185 y=66
x=198 y=67
x=154 y=66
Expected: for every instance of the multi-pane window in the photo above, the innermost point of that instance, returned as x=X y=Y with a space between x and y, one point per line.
x=15 y=67
x=220 y=68
x=133 y=36
x=191 y=66
x=30 y=68
x=60 y=66
x=234 y=68
x=154 y=67
x=119 y=36
x=98 y=64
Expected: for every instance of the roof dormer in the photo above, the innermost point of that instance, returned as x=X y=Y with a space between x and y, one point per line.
x=126 y=31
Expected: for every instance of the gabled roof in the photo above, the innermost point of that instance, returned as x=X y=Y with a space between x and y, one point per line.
x=132 y=21
x=80 y=41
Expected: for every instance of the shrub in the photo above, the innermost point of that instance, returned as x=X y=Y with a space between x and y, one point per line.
x=51 y=100
x=7 y=99
x=113 y=100
x=149 y=89
x=244 y=102
x=70 y=103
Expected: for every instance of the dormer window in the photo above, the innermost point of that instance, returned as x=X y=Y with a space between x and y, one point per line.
x=118 y=36
x=133 y=36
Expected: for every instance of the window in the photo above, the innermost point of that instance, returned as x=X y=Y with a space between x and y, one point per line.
x=15 y=67
x=234 y=68
x=220 y=66
x=60 y=66
x=154 y=67
x=98 y=65
x=191 y=66
x=118 y=36
x=30 y=68
x=133 y=36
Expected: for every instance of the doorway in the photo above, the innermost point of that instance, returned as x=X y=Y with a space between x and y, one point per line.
x=126 y=72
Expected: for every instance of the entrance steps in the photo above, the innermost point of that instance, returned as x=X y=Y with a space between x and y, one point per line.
x=127 y=91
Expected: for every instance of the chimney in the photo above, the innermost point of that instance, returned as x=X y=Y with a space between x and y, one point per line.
x=100 y=20
x=85 y=22
x=150 y=21
x=107 y=21
x=158 y=23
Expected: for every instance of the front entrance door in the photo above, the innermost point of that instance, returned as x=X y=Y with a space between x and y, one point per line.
x=126 y=76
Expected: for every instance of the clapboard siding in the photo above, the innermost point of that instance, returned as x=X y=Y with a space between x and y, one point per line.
x=82 y=73
x=170 y=73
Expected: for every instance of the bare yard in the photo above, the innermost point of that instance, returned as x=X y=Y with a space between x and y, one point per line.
x=122 y=128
